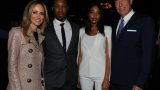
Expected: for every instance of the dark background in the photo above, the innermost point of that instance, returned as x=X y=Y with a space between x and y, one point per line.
x=11 y=11
x=11 y=15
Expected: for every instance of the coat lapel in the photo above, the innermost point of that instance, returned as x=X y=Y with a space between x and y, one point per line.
x=40 y=38
x=32 y=39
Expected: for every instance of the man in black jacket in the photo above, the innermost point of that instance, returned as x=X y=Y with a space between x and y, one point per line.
x=60 y=48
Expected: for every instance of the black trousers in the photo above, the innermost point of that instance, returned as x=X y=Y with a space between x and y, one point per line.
x=64 y=87
x=119 y=87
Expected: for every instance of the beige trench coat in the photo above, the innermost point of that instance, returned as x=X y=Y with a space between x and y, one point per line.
x=25 y=61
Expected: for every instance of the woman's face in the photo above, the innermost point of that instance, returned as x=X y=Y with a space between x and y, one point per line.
x=37 y=15
x=94 y=15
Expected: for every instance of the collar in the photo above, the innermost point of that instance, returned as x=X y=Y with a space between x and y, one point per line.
x=40 y=36
x=57 y=22
x=127 y=17
x=30 y=31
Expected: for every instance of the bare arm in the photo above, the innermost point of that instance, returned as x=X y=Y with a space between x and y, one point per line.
x=105 y=84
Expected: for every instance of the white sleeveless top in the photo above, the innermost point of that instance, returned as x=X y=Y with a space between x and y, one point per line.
x=93 y=53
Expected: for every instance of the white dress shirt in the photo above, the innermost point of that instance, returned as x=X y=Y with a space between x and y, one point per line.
x=67 y=29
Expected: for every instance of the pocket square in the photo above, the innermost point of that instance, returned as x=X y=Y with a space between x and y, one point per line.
x=129 y=30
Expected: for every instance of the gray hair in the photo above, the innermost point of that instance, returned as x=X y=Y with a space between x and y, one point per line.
x=131 y=1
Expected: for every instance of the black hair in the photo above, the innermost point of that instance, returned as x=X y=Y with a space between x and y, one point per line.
x=100 y=24
x=54 y=1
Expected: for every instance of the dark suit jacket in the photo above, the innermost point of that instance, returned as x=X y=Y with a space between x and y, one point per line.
x=60 y=66
x=132 y=52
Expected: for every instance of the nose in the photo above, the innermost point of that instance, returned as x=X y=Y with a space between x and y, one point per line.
x=118 y=4
x=60 y=9
x=39 y=15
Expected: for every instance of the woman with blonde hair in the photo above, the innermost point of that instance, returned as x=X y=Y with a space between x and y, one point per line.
x=25 y=51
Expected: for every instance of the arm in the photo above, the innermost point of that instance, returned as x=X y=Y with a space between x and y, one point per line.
x=78 y=63
x=108 y=35
x=13 y=54
x=105 y=83
x=79 y=57
x=148 y=42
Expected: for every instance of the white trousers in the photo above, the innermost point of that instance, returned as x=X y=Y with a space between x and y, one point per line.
x=88 y=83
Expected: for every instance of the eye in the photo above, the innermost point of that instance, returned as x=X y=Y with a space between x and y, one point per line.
x=34 y=12
x=91 y=11
x=42 y=13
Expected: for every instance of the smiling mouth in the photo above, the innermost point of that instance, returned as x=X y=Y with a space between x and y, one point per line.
x=37 y=20
x=94 y=19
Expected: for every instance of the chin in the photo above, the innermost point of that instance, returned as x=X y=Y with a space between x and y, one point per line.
x=61 y=19
x=38 y=24
x=94 y=22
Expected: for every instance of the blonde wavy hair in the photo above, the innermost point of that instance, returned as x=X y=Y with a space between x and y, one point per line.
x=26 y=20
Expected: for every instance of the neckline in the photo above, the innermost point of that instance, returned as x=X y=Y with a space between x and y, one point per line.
x=91 y=35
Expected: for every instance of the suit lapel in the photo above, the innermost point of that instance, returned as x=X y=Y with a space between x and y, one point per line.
x=54 y=35
x=130 y=23
x=72 y=37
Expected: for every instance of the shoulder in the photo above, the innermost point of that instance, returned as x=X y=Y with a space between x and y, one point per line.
x=74 y=25
x=143 y=20
x=143 y=17
x=107 y=29
x=15 y=34
x=82 y=31
x=15 y=31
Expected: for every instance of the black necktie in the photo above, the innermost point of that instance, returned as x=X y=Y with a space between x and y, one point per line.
x=63 y=36
x=121 y=25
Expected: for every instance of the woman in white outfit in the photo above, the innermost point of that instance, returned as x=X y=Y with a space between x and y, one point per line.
x=94 y=51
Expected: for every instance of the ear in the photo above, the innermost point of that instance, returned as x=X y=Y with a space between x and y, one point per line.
x=131 y=1
x=67 y=8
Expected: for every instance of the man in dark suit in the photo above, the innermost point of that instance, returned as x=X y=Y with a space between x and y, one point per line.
x=132 y=50
x=60 y=48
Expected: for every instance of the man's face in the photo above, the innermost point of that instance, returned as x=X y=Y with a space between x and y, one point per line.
x=60 y=8
x=123 y=6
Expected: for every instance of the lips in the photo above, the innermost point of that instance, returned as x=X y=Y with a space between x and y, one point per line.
x=38 y=20
x=60 y=14
x=94 y=19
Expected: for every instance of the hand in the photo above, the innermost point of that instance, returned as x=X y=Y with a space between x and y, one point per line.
x=105 y=85
x=158 y=42
x=43 y=84
x=136 y=88
x=78 y=83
